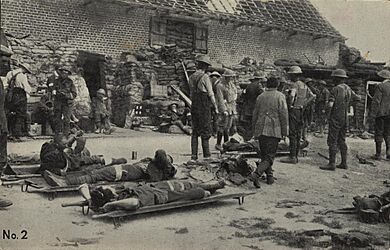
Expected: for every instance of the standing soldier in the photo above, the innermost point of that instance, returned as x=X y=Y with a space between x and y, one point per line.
x=321 y=105
x=18 y=90
x=3 y=129
x=380 y=110
x=339 y=103
x=101 y=114
x=270 y=124
x=64 y=95
x=203 y=100
x=252 y=91
x=299 y=96
x=215 y=78
x=226 y=94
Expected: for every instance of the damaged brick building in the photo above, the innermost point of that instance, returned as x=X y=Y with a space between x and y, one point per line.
x=94 y=35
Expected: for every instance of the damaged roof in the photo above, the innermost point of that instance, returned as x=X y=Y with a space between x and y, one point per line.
x=289 y=15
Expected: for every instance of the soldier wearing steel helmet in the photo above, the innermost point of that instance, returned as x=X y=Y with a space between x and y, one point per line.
x=340 y=99
x=380 y=111
x=101 y=114
x=299 y=96
x=64 y=94
x=203 y=100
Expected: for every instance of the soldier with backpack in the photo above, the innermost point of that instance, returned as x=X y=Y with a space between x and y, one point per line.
x=17 y=92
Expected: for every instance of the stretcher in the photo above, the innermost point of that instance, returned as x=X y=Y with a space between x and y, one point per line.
x=117 y=215
x=53 y=192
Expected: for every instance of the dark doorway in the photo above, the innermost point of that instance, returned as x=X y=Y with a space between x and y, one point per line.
x=93 y=71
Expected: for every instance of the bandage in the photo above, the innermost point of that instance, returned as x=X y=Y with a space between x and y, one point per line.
x=118 y=172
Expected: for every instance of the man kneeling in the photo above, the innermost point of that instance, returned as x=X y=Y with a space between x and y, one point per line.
x=157 y=169
x=105 y=199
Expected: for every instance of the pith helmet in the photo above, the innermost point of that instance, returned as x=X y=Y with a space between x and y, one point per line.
x=101 y=92
x=229 y=72
x=384 y=74
x=204 y=59
x=295 y=70
x=339 y=73
x=258 y=75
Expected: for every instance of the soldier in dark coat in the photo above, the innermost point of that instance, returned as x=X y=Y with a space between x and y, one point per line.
x=202 y=96
x=340 y=100
x=18 y=90
x=64 y=94
x=321 y=106
x=252 y=91
x=3 y=129
x=380 y=111
x=157 y=169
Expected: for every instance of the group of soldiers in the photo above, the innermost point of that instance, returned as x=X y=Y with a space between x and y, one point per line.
x=274 y=109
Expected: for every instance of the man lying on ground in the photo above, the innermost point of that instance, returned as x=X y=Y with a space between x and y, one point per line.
x=157 y=169
x=59 y=157
x=253 y=146
x=105 y=199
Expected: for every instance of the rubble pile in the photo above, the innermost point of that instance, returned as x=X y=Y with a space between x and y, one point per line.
x=126 y=92
x=247 y=67
x=41 y=54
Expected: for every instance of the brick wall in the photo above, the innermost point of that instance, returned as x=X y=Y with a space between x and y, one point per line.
x=110 y=28
x=101 y=28
x=231 y=45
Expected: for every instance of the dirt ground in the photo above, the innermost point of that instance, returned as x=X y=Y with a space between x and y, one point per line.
x=225 y=225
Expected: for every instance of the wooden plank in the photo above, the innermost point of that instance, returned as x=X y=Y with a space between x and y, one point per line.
x=186 y=99
x=169 y=206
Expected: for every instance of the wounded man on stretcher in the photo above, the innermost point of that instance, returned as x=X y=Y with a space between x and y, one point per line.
x=130 y=198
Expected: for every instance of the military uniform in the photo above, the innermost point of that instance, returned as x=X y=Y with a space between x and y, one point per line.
x=202 y=97
x=252 y=91
x=3 y=129
x=101 y=114
x=298 y=98
x=65 y=93
x=16 y=101
x=321 y=106
x=380 y=110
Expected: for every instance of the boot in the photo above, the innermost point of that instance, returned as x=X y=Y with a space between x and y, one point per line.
x=292 y=159
x=255 y=178
x=387 y=141
x=5 y=203
x=118 y=161
x=80 y=145
x=378 y=151
x=213 y=186
x=343 y=164
x=332 y=161
x=270 y=176
x=194 y=148
x=206 y=147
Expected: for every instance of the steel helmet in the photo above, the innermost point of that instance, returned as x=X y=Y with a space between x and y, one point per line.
x=295 y=70
x=339 y=73
x=101 y=92
x=258 y=75
x=384 y=74
x=204 y=59
x=229 y=72
x=215 y=73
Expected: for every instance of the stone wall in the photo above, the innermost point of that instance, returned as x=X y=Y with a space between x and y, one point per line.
x=110 y=28
x=104 y=27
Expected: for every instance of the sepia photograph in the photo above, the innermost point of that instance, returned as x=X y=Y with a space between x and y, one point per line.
x=195 y=124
